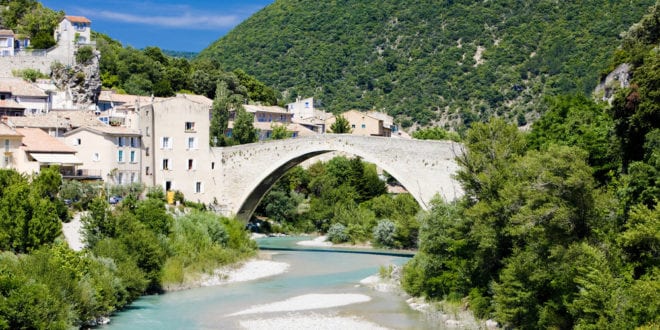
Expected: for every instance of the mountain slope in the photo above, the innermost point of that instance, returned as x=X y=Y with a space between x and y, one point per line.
x=429 y=61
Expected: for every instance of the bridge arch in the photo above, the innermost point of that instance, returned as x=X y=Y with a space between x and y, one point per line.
x=424 y=168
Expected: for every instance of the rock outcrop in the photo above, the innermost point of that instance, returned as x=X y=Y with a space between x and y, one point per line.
x=81 y=82
x=615 y=80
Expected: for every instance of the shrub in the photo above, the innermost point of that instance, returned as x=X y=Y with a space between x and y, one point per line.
x=84 y=54
x=384 y=233
x=337 y=233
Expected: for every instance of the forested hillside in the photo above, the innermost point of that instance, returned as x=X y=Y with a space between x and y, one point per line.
x=429 y=61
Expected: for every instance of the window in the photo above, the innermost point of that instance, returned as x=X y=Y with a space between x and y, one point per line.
x=6 y=145
x=146 y=130
x=191 y=164
x=120 y=156
x=120 y=178
x=192 y=143
x=77 y=142
x=166 y=164
x=306 y=104
x=166 y=143
x=198 y=187
x=135 y=142
x=132 y=156
x=212 y=165
x=190 y=126
x=146 y=151
x=121 y=141
x=146 y=170
x=133 y=177
x=96 y=157
x=352 y=125
x=364 y=126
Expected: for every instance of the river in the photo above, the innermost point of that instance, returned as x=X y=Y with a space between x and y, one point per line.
x=311 y=274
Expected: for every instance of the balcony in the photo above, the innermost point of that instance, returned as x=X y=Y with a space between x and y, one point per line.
x=80 y=174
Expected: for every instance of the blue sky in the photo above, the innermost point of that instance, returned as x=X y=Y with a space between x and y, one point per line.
x=168 y=24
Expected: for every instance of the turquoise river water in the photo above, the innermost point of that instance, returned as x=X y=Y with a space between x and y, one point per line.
x=312 y=272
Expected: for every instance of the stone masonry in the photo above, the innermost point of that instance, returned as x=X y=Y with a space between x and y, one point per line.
x=245 y=173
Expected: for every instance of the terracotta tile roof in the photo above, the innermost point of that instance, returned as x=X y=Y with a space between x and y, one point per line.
x=197 y=98
x=108 y=130
x=36 y=140
x=111 y=96
x=6 y=33
x=65 y=119
x=20 y=87
x=9 y=104
x=6 y=131
x=77 y=19
x=264 y=108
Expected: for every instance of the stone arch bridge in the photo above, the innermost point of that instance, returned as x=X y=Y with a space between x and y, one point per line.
x=425 y=168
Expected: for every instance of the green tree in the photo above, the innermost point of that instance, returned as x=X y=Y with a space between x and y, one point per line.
x=340 y=126
x=244 y=131
x=280 y=132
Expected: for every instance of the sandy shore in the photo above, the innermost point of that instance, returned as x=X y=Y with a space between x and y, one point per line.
x=250 y=270
x=313 y=321
x=319 y=241
x=307 y=302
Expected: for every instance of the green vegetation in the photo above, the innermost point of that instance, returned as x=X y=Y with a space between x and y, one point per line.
x=344 y=198
x=558 y=228
x=133 y=248
x=340 y=126
x=435 y=133
x=29 y=74
x=31 y=19
x=150 y=71
x=84 y=54
x=418 y=60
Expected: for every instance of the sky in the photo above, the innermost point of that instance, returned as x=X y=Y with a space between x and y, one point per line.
x=168 y=24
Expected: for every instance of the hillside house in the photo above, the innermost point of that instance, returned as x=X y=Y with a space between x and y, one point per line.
x=73 y=30
x=6 y=43
x=265 y=117
x=303 y=112
x=366 y=124
x=22 y=98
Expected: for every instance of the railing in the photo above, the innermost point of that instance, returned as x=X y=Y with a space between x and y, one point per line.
x=81 y=174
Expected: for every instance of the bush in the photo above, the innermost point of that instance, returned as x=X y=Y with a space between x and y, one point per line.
x=337 y=233
x=384 y=233
x=84 y=54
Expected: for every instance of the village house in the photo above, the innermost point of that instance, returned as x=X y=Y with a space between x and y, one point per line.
x=11 y=144
x=120 y=109
x=39 y=150
x=19 y=97
x=266 y=117
x=175 y=145
x=73 y=30
x=112 y=154
x=11 y=44
x=305 y=114
x=367 y=123
x=57 y=122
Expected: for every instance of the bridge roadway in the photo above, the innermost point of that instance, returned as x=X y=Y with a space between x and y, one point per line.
x=247 y=172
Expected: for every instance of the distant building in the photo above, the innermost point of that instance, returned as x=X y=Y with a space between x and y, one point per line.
x=266 y=117
x=6 y=43
x=366 y=124
x=303 y=112
x=73 y=30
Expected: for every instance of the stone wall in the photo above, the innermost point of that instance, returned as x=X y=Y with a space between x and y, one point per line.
x=37 y=62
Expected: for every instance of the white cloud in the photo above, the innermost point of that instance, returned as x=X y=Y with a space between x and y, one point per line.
x=184 y=20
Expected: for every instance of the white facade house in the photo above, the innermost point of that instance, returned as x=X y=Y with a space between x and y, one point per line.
x=22 y=98
x=175 y=145
x=111 y=154
x=6 y=43
x=304 y=113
